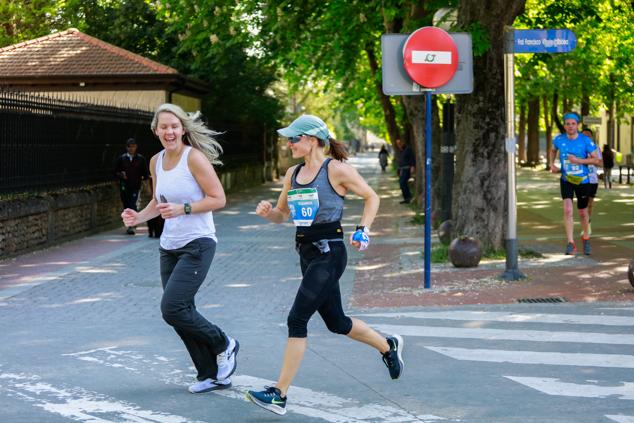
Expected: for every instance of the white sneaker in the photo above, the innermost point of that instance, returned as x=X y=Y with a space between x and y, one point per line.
x=227 y=360
x=208 y=385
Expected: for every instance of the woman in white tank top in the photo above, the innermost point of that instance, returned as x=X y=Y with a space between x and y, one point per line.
x=186 y=191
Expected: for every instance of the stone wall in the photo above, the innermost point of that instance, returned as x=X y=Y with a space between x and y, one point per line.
x=31 y=222
x=45 y=219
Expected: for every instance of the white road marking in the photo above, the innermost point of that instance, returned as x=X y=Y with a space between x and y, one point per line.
x=533 y=357
x=81 y=405
x=553 y=386
x=513 y=335
x=494 y=316
x=303 y=401
x=621 y=419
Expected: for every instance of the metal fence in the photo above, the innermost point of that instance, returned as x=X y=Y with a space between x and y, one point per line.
x=49 y=143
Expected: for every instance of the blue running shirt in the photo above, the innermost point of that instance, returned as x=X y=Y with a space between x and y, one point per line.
x=581 y=147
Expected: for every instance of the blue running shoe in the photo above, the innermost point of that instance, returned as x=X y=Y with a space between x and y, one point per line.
x=393 y=358
x=586 y=246
x=269 y=399
x=571 y=249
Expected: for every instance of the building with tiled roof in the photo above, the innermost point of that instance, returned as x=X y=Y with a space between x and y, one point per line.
x=73 y=61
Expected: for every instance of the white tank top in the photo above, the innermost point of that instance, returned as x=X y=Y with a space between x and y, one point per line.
x=179 y=186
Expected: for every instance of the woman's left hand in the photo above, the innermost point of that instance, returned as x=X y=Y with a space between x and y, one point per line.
x=360 y=239
x=169 y=210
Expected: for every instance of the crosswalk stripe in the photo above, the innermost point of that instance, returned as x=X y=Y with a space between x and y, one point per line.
x=78 y=404
x=553 y=386
x=494 y=316
x=513 y=335
x=303 y=401
x=620 y=418
x=533 y=357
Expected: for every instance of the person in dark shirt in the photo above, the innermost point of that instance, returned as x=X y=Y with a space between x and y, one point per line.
x=406 y=167
x=131 y=170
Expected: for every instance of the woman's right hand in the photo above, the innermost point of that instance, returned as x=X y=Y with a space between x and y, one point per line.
x=130 y=217
x=263 y=208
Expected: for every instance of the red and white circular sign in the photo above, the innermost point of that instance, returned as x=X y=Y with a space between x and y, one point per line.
x=430 y=57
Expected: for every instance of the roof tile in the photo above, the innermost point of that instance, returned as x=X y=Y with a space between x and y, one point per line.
x=72 y=52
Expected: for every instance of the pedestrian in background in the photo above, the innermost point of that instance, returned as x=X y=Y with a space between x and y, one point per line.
x=576 y=152
x=608 y=164
x=406 y=168
x=186 y=192
x=383 y=156
x=131 y=169
x=313 y=195
x=593 y=177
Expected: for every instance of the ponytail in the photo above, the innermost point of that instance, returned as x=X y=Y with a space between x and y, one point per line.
x=337 y=149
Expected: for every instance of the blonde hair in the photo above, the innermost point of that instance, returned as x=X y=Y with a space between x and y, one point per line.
x=195 y=133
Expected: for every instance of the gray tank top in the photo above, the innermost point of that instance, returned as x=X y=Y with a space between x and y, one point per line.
x=330 y=202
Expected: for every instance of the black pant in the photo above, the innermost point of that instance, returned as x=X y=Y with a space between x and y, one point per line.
x=182 y=272
x=319 y=290
x=403 y=178
x=129 y=198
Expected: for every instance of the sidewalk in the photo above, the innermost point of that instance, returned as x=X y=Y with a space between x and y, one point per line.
x=389 y=273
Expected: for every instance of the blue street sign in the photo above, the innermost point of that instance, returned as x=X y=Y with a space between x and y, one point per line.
x=544 y=41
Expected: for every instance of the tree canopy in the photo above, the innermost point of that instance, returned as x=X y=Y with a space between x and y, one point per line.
x=268 y=58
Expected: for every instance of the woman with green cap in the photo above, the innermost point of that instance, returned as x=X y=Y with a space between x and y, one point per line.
x=313 y=196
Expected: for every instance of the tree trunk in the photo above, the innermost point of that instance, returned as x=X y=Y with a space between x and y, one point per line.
x=533 y=131
x=585 y=103
x=479 y=196
x=611 y=110
x=521 y=136
x=548 y=124
x=388 y=109
x=436 y=160
x=554 y=113
x=565 y=102
x=415 y=110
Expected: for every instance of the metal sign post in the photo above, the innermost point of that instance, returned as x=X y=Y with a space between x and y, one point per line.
x=522 y=41
x=430 y=58
x=512 y=271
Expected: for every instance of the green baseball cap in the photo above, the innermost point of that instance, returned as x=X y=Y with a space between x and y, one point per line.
x=309 y=125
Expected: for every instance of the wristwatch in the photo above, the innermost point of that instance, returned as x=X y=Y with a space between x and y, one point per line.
x=187 y=208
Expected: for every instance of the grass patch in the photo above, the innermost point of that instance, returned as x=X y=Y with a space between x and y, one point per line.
x=528 y=253
x=439 y=253
x=418 y=219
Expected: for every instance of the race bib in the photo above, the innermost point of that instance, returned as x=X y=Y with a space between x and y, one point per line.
x=572 y=169
x=304 y=205
x=574 y=173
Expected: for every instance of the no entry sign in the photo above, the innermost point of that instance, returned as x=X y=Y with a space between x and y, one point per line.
x=430 y=57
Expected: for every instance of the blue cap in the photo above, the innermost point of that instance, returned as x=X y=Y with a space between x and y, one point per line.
x=309 y=125
x=572 y=116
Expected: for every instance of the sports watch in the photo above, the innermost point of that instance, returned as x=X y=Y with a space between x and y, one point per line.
x=187 y=208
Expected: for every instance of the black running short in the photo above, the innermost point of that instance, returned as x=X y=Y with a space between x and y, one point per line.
x=581 y=191
x=593 y=190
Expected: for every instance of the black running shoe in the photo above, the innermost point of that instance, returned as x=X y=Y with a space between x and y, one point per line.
x=269 y=399
x=393 y=358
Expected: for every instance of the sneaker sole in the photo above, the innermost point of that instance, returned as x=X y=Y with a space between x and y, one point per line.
x=399 y=353
x=269 y=407
x=235 y=359
x=215 y=387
